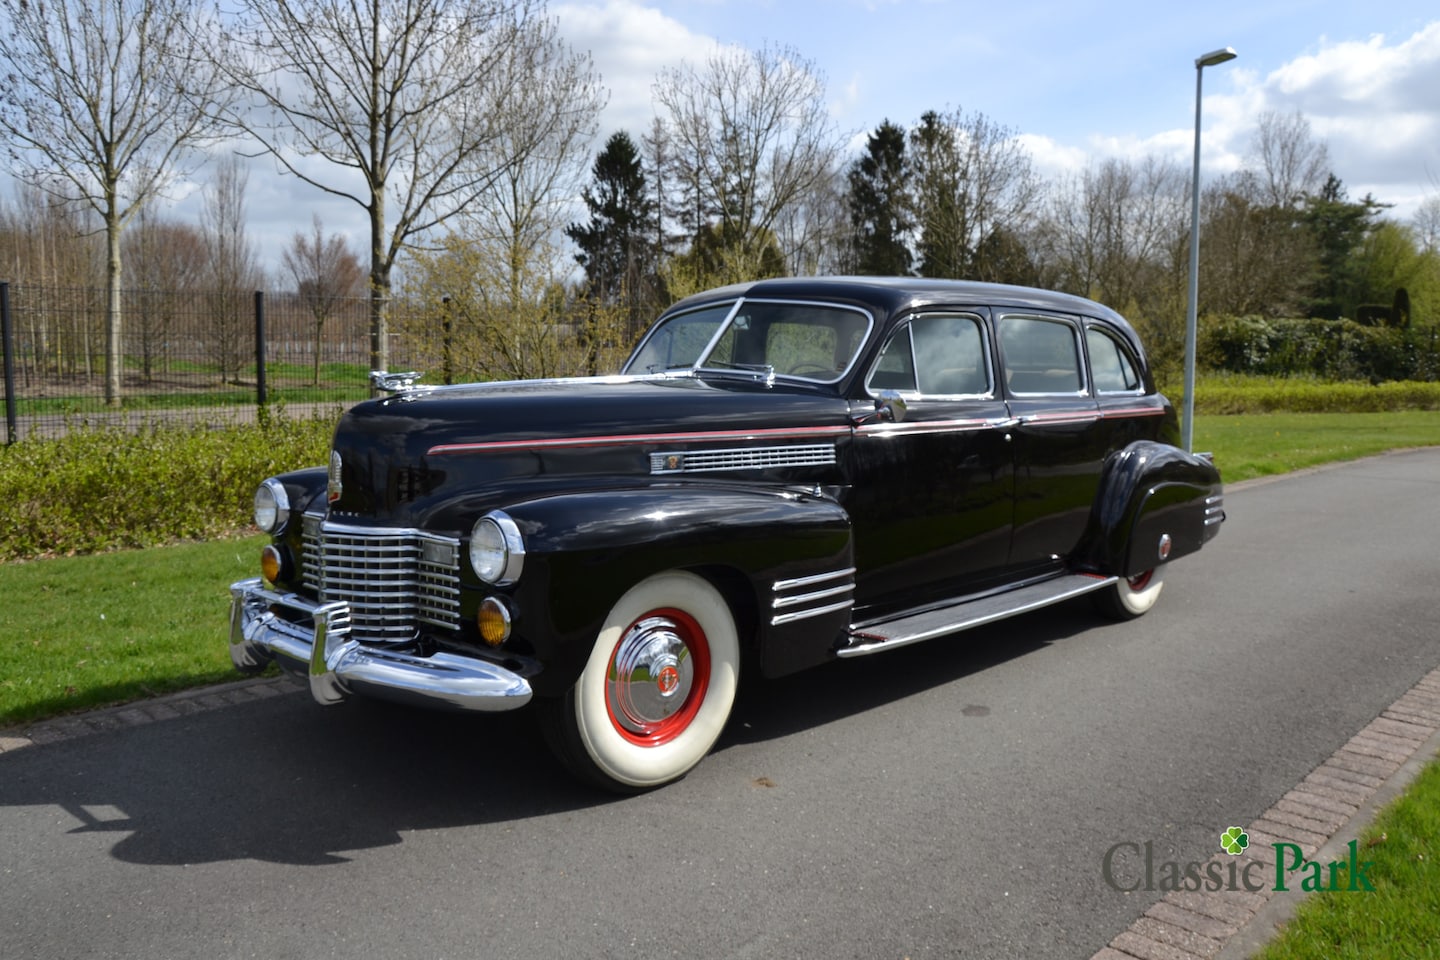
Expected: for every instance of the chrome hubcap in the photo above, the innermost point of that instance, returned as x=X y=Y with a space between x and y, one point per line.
x=651 y=675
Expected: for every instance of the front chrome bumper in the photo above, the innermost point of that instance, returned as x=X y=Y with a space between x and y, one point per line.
x=313 y=639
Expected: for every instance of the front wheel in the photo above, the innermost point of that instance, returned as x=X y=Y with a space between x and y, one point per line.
x=1130 y=598
x=657 y=689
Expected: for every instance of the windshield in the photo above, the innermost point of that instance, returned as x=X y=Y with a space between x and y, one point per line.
x=805 y=341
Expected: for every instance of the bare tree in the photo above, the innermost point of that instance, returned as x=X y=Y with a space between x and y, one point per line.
x=1289 y=162
x=108 y=97
x=1426 y=222
x=1110 y=230
x=167 y=263
x=1255 y=258
x=325 y=272
x=232 y=266
x=751 y=137
x=405 y=100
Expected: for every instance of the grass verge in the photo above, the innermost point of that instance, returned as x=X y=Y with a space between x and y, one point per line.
x=1401 y=918
x=1260 y=445
x=82 y=632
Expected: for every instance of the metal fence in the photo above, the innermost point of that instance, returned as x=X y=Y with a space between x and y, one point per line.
x=193 y=357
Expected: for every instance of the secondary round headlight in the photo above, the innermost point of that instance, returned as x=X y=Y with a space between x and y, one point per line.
x=497 y=551
x=272 y=506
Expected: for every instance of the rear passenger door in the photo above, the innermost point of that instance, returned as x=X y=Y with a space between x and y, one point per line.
x=1059 y=442
x=931 y=495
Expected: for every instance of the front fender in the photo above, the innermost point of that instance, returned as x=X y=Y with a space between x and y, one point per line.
x=584 y=550
x=1157 y=503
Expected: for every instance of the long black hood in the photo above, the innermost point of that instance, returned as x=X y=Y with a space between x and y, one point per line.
x=417 y=456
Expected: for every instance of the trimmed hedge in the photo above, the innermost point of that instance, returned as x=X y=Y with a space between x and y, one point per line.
x=1222 y=395
x=100 y=489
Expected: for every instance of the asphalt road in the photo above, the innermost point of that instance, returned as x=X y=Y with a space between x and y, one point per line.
x=950 y=799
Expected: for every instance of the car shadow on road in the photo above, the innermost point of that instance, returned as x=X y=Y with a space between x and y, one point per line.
x=281 y=780
x=768 y=709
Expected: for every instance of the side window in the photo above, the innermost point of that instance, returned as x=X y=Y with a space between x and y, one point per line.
x=1111 y=366
x=895 y=370
x=950 y=356
x=1040 y=355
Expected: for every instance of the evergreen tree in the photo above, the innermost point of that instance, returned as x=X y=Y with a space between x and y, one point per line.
x=617 y=245
x=880 y=205
x=1338 y=227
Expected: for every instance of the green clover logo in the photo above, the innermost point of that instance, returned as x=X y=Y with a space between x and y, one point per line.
x=1234 y=841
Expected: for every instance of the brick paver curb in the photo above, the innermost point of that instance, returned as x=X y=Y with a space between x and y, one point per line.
x=145 y=711
x=1322 y=814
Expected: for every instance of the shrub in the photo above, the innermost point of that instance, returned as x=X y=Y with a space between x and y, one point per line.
x=1328 y=349
x=99 y=489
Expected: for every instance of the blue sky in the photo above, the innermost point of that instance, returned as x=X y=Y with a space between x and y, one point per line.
x=1079 y=80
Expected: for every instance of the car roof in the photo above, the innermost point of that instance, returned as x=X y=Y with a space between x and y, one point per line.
x=887 y=295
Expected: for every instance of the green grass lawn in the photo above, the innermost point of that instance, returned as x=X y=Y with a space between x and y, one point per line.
x=79 y=632
x=1257 y=445
x=1400 y=920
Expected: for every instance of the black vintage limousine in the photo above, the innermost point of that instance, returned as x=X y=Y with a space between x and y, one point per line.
x=784 y=472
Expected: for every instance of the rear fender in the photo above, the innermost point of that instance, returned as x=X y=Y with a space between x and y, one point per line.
x=1157 y=503
x=584 y=550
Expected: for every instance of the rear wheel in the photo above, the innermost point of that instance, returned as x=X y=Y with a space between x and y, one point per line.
x=657 y=689
x=1132 y=597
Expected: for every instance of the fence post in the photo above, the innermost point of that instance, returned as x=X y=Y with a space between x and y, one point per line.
x=260 y=395
x=7 y=338
x=447 y=369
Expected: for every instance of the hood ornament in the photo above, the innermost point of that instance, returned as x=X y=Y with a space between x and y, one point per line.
x=333 y=486
x=393 y=382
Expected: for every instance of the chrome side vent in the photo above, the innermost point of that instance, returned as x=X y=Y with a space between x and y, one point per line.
x=814 y=596
x=745 y=458
x=1214 y=510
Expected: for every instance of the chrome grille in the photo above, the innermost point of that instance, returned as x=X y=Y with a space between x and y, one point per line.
x=392 y=579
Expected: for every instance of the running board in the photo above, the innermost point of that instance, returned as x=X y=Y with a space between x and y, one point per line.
x=902 y=631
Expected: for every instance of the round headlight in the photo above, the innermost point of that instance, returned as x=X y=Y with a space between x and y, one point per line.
x=272 y=506
x=497 y=552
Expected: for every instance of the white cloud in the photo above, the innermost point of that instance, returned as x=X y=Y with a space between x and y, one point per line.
x=630 y=44
x=1375 y=104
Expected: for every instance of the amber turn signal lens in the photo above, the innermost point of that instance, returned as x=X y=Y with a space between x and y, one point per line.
x=494 y=621
x=270 y=563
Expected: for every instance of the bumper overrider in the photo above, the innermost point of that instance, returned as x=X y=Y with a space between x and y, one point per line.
x=314 y=639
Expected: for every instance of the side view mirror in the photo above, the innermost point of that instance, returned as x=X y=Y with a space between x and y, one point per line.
x=890 y=407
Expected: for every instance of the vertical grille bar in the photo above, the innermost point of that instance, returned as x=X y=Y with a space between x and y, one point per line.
x=394 y=579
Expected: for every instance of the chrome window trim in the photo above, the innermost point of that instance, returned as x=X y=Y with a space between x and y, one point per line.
x=1125 y=350
x=1077 y=341
x=918 y=394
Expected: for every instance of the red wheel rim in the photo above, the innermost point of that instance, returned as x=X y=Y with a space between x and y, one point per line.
x=657 y=676
x=1141 y=580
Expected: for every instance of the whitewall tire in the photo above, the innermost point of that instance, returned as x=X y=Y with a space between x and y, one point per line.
x=657 y=689
x=1133 y=597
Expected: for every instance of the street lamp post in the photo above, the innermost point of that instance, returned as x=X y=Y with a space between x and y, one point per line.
x=1187 y=424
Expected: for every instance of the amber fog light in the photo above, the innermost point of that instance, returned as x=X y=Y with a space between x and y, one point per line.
x=271 y=563
x=494 y=621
